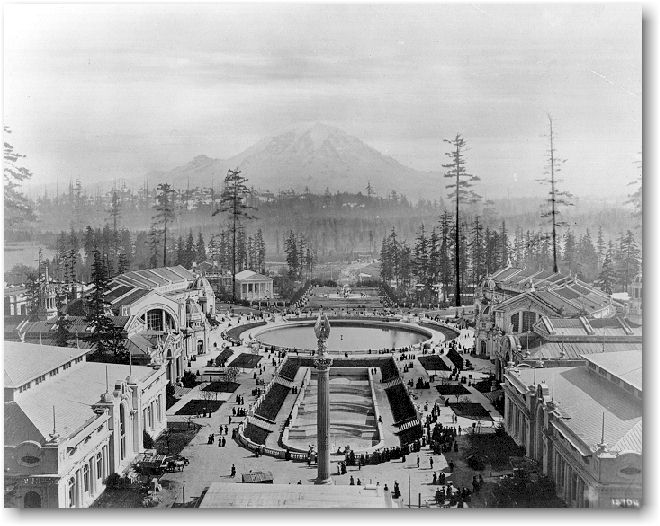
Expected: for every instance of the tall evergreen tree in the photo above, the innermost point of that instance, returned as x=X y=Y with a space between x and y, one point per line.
x=629 y=259
x=233 y=201
x=607 y=277
x=477 y=252
x=18 y=208
x=570 y=252
x=200 y=248
x=556 y=198
x=292 y=256
x=163 y=214
x=62 y=334
x=601 y=247
x=460 y=187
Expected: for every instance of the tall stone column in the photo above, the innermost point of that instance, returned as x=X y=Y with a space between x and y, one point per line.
x=323 y=363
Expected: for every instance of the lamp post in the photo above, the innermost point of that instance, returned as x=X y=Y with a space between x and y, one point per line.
x=323 y=363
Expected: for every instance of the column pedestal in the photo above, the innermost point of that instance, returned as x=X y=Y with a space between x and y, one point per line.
x=323 y=422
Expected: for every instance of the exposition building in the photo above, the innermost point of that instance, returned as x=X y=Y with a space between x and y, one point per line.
x=70 y=423
x=583 y=425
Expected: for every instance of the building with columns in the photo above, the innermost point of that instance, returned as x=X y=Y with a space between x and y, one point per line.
x=70 y=423
x=583 y=425
x=252 y=286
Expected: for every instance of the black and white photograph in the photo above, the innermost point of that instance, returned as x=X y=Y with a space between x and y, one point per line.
x=304 y=255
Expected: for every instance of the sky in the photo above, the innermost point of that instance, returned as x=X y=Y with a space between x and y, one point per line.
x=103 y=91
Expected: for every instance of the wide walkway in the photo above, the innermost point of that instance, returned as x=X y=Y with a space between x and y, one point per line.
x=211 y=463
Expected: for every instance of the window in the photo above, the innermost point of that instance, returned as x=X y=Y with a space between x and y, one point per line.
x=99 y=465
x=72 y=492
x=86 y=477
x=514 y=323
x=122 y=432
x=528 y=319
x=159 y=409
x=53 y=372
x=154 y=320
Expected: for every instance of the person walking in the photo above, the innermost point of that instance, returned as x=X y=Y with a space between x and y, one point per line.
x=233 y=470
x=431 y=462
x=418 y=461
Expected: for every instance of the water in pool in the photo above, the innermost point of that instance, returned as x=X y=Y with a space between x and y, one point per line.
x=343 y=338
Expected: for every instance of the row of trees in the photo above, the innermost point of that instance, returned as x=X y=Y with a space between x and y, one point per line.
x=300 y=256
x=485 y=248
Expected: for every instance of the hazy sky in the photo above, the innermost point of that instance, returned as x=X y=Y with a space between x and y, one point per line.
x=101 y=91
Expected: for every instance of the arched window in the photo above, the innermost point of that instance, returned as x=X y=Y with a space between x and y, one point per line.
x=72 y=492
x=32 y=500
x=122 y=432
x=86 y=478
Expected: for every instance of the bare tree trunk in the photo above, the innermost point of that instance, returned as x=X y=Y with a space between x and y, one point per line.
x=457 y=293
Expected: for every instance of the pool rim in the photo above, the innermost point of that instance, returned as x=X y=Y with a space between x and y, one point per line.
x=409 y=327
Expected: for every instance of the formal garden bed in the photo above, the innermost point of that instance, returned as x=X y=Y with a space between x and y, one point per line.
x=452 y=390
x=176 y=437
x=400 y=403
x=433 y=363
x=472 y=410
x=199 y=407
x=221 y=359
x=246 y=361
x=272 y=402
x=221 y=387
x=256 y=434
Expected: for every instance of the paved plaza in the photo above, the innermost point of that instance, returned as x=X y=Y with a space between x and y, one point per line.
x=210 y=463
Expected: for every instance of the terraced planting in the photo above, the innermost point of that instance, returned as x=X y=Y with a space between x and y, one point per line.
x=272 y=402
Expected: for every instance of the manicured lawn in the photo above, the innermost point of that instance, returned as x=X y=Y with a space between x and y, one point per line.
x=196 y=407
x=472 y=410
x=452 y=389
x=433 y=363
x=246 y=361
x=119 y=498
x=222 y=358
x=221 y=387
x=177 y=437
x=256 y=434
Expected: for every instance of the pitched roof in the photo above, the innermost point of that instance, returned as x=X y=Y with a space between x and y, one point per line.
x=72 y=392
x=250 y=275
x=626 y=366
x=582 y=398
x=26 y=361
x=576 y=350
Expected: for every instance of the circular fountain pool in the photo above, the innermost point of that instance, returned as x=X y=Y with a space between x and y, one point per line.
x=345 y=336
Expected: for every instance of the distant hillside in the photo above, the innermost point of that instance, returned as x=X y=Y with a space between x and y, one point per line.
x=313 y=157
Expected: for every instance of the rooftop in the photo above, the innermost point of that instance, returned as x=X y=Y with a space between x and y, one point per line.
x=72 y=393
x=251 y=275
x=223 y=495
x=154 y=278
x=583 y=397
x=623 y=365
x=26 y=361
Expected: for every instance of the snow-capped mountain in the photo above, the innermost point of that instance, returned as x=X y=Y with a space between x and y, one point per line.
x=313 y=156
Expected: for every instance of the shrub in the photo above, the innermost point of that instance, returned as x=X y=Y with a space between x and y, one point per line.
x=113 y=480
x=189 y=379
x=147 y=441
